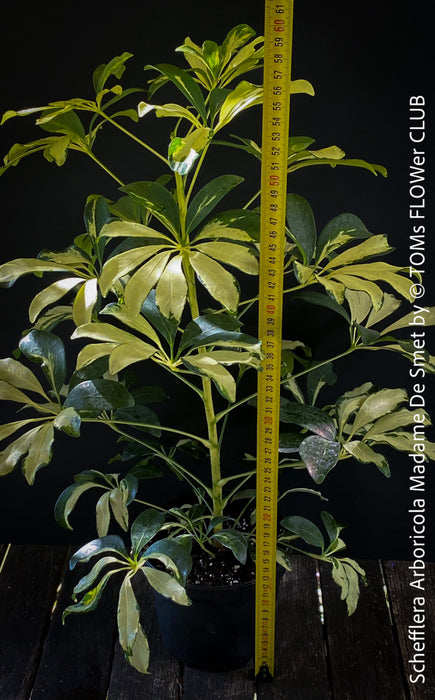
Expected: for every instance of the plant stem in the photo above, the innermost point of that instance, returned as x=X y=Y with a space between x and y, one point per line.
x=132 y=136
x=111 y=422
x=96 y=160
x=222 y=413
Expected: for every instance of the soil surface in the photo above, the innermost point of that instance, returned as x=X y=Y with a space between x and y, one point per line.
x=221 y=570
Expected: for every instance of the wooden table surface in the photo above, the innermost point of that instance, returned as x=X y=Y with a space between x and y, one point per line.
x=365 y=657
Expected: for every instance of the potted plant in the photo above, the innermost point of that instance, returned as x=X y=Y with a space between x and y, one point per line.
x=164 y=276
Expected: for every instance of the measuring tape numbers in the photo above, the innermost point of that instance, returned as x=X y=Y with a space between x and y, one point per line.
x=276 y=115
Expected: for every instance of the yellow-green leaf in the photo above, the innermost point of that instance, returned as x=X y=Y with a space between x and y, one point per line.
x=51 y=294
x=128 y=353
x=171 y=290
x=84 y=302
x=18 y=375
x=206 y=365
x=232 y=254
x=39 y=454
x=143 y=281
x=375 y=245
x=218 y=282
x=124 y=263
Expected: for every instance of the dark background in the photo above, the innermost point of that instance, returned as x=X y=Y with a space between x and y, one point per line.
x=364 y=60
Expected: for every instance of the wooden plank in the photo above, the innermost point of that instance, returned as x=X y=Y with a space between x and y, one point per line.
x=363 y=654
x=164 y=679
x=404 y=598
x=28 y=583
x=237 y=684
x=300 y=665
x=76 y=658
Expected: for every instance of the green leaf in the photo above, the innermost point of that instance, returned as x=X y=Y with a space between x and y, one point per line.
x=127 y=354
x=140 y=653
x=102 y=514
x=122 y=264
x=360 y=304
x=99 y=395
x=67 y=500
x=177 y=556
x=158 y=200
x=408 y=319
x=383 y=272
x=115 y=67
x=11 y=456
x=235 y=541
x=90 y=600
x=310 y=417
x=345 y=574
x=355 y=284
x=243 y=96
x=220 y=284
x=128 y=616
x=171 y=289
x=143 y=281
x=51 y=294
x=85 y=301
x=208 y=197
x=318 y=377
x=168 y=110
x=339 y=231
x=96 y=214
x=117 y=500
x=8 y=429
x=365 y=454
x=371 y=247
x=87 y=581
x=11 y=271
x=205 y=365
x=300 y=220
x=235 y=225
x=40 y=451
x=378 y=404
x=146 y=525
x=304 y=87
x=47 y=349
x=319 y=455
x=319 y=299
x=166 y=327
x=69 y=421
x=166 y=585
x=305 y=529
x=136 y=321
x=14 y=373
x=183 y=81
x=67 y=123
x=289 y=442
x=331 y=526
x=183 y=152
x=232 y=254
x=132 y=229
x=392 y=421
x=111 y=543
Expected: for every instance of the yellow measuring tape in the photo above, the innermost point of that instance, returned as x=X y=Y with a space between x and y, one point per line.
x=276 y=115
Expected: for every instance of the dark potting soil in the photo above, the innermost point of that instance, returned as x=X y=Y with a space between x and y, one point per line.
x=221 y=570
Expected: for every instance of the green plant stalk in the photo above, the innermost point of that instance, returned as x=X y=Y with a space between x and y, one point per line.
x=207 y=400
x=207 y=395
x=132 y=136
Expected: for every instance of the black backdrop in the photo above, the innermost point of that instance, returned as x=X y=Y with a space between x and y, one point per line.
x=364 y=60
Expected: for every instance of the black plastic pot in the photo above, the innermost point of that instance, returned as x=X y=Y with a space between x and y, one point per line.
x=216 y=632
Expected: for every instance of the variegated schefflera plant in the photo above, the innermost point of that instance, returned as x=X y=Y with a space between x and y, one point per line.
x=134 y=285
